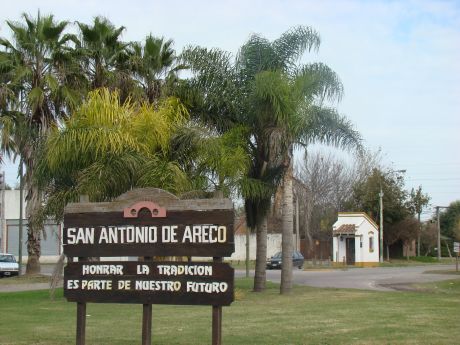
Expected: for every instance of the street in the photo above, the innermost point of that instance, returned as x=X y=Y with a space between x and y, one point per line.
x=377 y=278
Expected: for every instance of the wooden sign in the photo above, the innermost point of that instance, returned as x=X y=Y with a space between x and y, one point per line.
x=189 y=283
x=146 y=223
x=161 y=226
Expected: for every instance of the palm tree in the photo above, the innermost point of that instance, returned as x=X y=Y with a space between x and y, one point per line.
x=104 y=57
x=154 y=65
x=282 y=105
x=40 y=82
x=108 y=147
x=214 y=163
x=290 y=105
x=218 y=95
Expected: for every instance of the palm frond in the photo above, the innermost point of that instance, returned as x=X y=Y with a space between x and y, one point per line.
x=294 y=43
x=318 y=82
x=326 y=126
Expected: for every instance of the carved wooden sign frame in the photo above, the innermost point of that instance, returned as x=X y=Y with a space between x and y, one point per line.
x=147 y=223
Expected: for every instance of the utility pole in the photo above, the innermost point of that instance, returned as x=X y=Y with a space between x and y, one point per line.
x=381 y=224
x=21 y=206
x=2 y=212
x=439 y=233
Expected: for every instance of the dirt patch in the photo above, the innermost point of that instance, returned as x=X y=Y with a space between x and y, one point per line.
x=404 y=287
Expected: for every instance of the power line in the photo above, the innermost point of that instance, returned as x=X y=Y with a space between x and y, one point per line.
x=434 y=179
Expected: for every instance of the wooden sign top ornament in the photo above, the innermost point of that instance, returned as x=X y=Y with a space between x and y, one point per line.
x=155 y=210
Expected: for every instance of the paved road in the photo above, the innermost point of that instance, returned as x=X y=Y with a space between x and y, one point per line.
x=379 y=278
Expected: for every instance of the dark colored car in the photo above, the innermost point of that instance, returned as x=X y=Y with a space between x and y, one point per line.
x=275 y=261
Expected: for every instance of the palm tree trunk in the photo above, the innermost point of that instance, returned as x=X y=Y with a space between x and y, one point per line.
x=261 y=256
x=287 y=225
x=34 y=230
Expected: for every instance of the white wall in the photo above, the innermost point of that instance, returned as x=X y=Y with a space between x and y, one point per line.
x=273 y=246
x=339 y=249
x=12 y=204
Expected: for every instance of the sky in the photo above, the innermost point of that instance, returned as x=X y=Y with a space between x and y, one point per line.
x=398 y=61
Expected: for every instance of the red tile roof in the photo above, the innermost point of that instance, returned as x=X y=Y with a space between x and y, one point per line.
x=346 y=229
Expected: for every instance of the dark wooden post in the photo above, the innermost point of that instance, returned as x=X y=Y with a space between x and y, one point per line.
x=147 y=319
x=217 y=320
x=146 y=324
x=81 y=319
x=81 y=323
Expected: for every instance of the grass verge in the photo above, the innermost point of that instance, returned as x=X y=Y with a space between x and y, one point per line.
x=25 y=279
x=307 y=316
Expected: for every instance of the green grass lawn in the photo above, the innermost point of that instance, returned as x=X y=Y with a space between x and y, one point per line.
x=25 y=279
x=307 y=316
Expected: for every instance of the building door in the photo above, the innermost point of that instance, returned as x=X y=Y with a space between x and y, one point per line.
x=350 y=251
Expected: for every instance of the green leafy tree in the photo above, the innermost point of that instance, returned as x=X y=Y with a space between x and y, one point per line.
x=450 y=220
x=107 y=148
x=215 y=163
x=417 y=202
x=365 y=197
x=40 y=84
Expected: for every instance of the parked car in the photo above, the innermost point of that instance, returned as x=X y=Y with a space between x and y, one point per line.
x=275 y=261
x=8 y=265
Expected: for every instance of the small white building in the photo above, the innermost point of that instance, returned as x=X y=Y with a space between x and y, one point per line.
x=355 y=239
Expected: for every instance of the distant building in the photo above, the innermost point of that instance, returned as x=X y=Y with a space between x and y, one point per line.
x=355 y=239
x=9 y=232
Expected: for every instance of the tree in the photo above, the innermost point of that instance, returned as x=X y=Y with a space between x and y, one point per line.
x=103 y=55
x=365 y=197
x=215 y=163
x=107 y=148
x=280 y=103
x=154 y=65
x=324 y=185
x=450 y=219
x=429 y=237
x=291 y=110
x=218 y=95
x=40 y=85
x=418 y=201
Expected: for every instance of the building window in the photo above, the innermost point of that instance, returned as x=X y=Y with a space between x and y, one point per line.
x=371 y=243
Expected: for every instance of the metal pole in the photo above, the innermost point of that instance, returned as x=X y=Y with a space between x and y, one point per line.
x=2 y=213
x=297 y=225
x=21 y=211
x=419 y=235
x=381 y=224
x=439 y=233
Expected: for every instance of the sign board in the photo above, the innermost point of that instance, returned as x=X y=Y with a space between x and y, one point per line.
x=192 y=283
x=136 y=226
x=457 y=247
x=149 y=223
